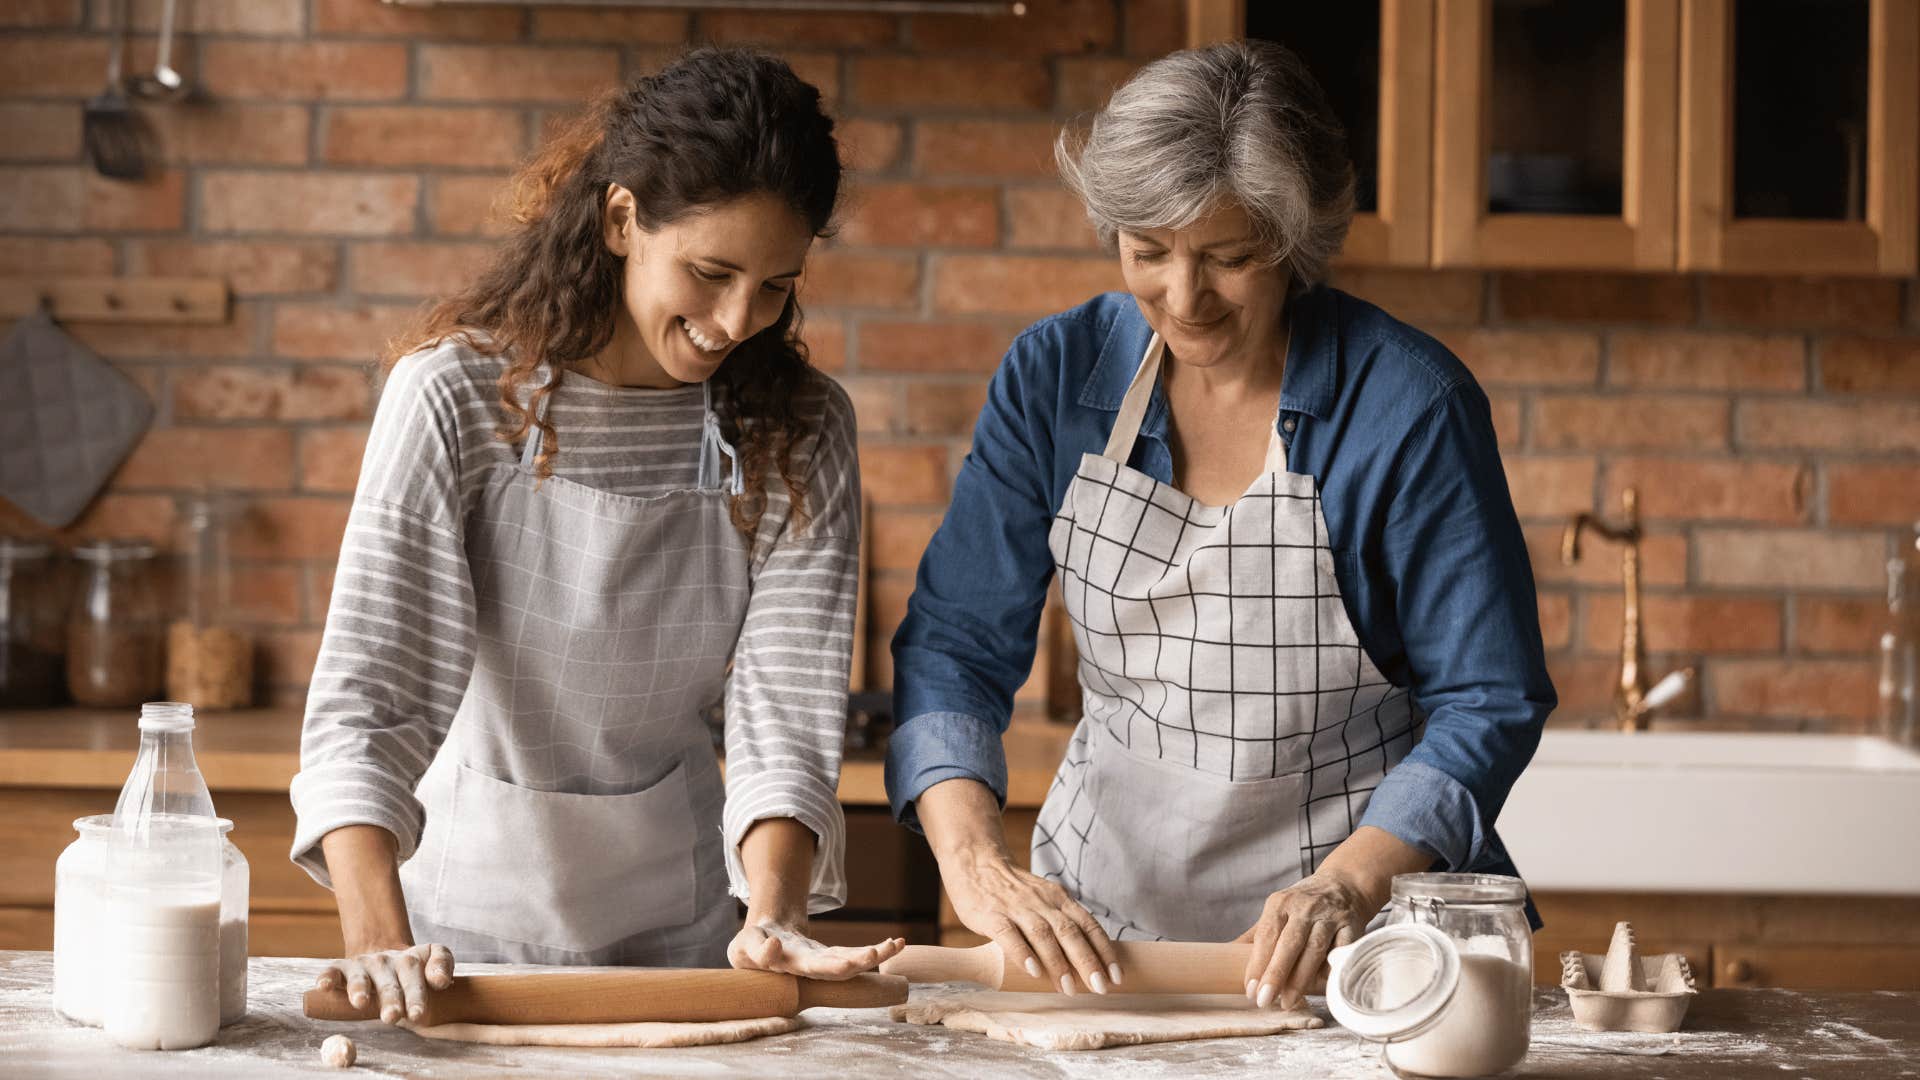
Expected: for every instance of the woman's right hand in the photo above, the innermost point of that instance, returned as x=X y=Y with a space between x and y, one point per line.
x=402 y=978
x=1036 y=924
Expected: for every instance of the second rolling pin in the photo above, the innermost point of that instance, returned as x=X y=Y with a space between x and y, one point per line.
x=1150 y=967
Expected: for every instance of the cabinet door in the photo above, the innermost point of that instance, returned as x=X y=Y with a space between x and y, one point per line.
x=1554 y=133
x=1800 y=122
x=1817 y=967
x=1374 y=59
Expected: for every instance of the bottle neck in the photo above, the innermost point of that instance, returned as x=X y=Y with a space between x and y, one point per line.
x=165 y=779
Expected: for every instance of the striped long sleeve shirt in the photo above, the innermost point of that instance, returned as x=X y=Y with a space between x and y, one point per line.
x=398 y=648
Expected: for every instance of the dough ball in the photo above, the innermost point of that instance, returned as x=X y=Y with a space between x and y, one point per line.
x=338 y=1051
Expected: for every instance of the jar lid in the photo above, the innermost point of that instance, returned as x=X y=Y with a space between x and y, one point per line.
x=113 y=550
x=1393 y=983
x=166 y=716
x=18 y=547
x=1459 y=890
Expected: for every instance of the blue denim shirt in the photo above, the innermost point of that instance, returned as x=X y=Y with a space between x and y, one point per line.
x=1428 y=553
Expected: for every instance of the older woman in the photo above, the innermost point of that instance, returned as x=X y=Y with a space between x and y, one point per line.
x=1309 y=653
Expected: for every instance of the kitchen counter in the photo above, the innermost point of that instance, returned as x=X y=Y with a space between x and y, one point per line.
x=259 y=750
x=1864 y=1036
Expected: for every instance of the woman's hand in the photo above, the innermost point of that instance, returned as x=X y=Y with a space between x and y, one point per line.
x=1297 y=928
x=1033 y=920
x=401 y=977
x=768 y=945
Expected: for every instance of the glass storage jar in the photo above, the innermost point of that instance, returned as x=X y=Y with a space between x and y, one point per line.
x=115 y=631
x=33 y=622
x=1447 y=983
x=209 y=660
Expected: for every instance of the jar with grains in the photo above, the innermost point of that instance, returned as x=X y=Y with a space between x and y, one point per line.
x=33 y=625
x=209 y=660
x=115 y=630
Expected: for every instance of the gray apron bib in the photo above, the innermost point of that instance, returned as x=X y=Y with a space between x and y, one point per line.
x=1232 y=727
x=573 y=813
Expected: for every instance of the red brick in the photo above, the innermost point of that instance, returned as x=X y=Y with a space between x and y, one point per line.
x=1556 y=619
x=887 y=594
x=45 y=66
x=1526 y=357
x=1842 y=690
x=233 y=338
x=416 y=268
x=1871 y=366
x=1048 y=218
x=271 y=594
x=40 y=132
x=305 y=70
x=1695 y=361
x=944 y=408
x=258 y=18
x=899 y=537
x=1049 y=28
x=481 y=73
x=251 y=268
x=327 y=204
x=1420 y=297
x=1663 y=559
x=869 y=145
x=1019 y=284
x=244 y=458
x=438 y=137
x=286 y=657
x=1585 y=421
x=319 y=589
x=904 y=473
x=23 y=256
x=937 y=347
x=921 y=215
x=1719 y=624
x=156 y=204
x=332 y=332
x=821 y=70
x=826 y=341
x=330 y=458
x=117 y=516
x=219 y=133
x=1838 y=624
x=1790 y=558
x=610 y=27
x=1506 y=419
x=1610 y=298
x=877 y=405
x=995 y=148
x=840 y=278
x=41 y=13
x=1153 y=30
x=71 y=199
x=247 y=393
x=352 y=18
x=1862 y=494
x=1087 y=82
x=470 y=206
x=330 y=392
x=1549 y=486
x=833 y=30
x=1870 y=426
x=1585 y=687
x=1695 y=489
x=1844 y=304
x=925 y=83
x=292 y=527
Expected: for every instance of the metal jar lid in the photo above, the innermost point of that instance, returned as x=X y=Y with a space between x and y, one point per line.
x=108 y=551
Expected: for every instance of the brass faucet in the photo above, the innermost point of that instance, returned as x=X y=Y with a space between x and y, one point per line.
x=1633 y=701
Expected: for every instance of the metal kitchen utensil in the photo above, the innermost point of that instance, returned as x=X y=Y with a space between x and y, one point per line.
x=164 y=83
x=111 y=131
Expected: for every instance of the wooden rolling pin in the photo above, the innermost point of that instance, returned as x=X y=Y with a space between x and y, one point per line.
x=1150 y=967
x=623 y=995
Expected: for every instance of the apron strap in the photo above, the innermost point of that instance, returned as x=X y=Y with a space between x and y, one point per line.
x=1133 y=410
x=713 y=445
x=531 y=451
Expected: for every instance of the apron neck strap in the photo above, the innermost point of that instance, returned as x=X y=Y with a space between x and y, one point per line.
x=1133 y=410
x=713 y=445
x=531 y=451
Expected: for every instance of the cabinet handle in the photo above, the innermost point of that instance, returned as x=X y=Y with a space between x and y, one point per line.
x=1739 y=971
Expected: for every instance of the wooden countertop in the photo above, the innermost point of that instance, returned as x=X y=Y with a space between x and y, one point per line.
x=1728 y=1033
x=259 y=750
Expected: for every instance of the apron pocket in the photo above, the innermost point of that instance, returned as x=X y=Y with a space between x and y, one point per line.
x=564 y=871
x=1187 y=855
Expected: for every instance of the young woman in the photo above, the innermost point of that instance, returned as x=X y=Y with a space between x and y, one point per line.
x=603 y=488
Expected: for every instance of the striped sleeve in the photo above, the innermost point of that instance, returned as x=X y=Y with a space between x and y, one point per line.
x=787 y=699
x=399 y=641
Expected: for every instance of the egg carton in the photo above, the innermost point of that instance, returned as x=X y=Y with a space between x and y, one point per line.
x=1624 y=991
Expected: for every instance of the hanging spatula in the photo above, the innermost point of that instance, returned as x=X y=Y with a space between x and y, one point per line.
x=110 y=130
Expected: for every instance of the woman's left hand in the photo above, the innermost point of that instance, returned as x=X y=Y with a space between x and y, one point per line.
x=1297 y=928
x=767 y=945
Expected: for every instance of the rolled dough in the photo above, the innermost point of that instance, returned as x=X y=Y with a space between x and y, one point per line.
x=1089 y=1022
x=643 y=1033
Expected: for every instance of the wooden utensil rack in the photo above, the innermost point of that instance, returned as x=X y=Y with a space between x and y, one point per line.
x=118 y=299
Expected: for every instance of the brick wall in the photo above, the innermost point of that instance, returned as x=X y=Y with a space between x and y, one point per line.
x=342 y=168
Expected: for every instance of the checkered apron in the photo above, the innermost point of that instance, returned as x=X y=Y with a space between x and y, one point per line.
x=573 y=813
x=1232 y=727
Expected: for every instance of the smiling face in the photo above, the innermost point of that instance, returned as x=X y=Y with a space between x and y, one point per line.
x=698 y=287
x=1205 y=288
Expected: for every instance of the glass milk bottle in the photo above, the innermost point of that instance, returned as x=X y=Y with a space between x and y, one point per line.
x=164 y=874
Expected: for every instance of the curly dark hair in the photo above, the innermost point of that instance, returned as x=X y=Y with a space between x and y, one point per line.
x=716 y=125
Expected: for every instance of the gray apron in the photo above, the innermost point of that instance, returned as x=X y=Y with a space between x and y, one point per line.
x=1232 y=727
x=573 y=813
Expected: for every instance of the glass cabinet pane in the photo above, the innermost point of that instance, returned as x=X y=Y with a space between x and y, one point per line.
x=1340 y=44
x=1800 y=109
x=1556 y=112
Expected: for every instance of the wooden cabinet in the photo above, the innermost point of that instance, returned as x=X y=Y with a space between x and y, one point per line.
x=1737 y=136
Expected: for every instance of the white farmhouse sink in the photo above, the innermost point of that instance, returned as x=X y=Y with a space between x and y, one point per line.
x=1672 y=812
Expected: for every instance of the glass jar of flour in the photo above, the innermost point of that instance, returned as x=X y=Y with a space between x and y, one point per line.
x=1447 y=983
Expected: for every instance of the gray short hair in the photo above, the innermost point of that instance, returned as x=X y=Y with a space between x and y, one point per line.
x=1240 y=121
